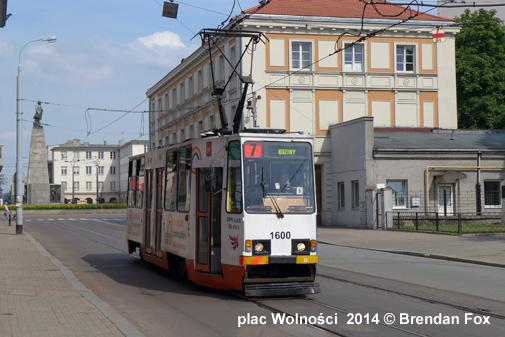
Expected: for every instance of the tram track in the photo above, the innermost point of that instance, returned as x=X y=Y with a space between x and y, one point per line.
x=319 y=327
x=478 y=311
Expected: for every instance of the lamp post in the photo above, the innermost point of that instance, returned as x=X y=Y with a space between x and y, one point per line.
x=19 y=140
x=72 y=163
x=97 y=162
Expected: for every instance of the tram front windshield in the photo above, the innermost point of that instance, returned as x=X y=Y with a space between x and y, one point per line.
x=278 y=177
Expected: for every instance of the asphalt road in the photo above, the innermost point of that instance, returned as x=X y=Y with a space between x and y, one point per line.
x=359 y=291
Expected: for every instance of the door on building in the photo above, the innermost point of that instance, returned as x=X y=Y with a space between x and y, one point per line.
x=446 y=199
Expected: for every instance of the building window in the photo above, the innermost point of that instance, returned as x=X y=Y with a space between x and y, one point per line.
x=88 y=185
x=353 y=57
x=76 y=186
x=100 y=185
x=64 y=155
x=405 y=58
x=341 y=195
x=100 y=155
x=301 y=55
x=88 y=154
x=355 y=193
x=88 y=170
x=399 y=188
x=113 y=155
x=64 y=186
x=76 y=155
x=146 y=148
x=63 y=170
x=76 y=170
x=492 y=195
x=112 y=185
x=100 y=170
x=113 y=170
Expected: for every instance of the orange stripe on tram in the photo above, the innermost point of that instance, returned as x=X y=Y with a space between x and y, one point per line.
x=254 y=260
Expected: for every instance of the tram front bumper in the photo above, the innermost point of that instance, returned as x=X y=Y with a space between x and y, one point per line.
x=300 y=259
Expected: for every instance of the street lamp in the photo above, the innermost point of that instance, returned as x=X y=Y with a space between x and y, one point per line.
x=97 y=162
x=72 y=163
x=19 y=140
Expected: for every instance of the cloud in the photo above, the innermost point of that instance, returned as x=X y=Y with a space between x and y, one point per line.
x=165 y=39
x=6 y=49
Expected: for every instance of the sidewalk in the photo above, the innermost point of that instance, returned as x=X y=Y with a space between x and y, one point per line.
x=40 y=297
x=485 y=250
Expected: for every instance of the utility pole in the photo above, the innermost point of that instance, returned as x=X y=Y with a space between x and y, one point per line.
x=97 y=162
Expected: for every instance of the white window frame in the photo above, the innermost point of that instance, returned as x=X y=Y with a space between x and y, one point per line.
x=404 y=183
x=499 y=193
x=341 y=194
x=89 y=170
x=403 y=61
x=88 y=155
x=300 y=53
x=89 y=185
x=355 y=193
x=63 y=170
x=352 y=52
x=76 y=170
x=100 y=170
x=100 y=155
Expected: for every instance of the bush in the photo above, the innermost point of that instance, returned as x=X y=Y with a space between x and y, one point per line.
x=70 y=206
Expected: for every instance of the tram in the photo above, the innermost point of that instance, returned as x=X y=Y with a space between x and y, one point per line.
x=233 y=212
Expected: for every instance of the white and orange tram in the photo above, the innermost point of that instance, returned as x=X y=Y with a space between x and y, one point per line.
x=233 y=212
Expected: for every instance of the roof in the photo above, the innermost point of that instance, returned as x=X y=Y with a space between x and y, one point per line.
x=473 y=140
x=340 y=9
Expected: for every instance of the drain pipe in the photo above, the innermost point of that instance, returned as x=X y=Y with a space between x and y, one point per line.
x=478 y=192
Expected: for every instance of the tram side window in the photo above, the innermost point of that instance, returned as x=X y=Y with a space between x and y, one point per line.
x=184 y=172
x=132 y=183
x=234 y=199
x=170 y=185
x=140 y=186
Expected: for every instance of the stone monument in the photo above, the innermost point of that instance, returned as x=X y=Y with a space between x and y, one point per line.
x=37 y=184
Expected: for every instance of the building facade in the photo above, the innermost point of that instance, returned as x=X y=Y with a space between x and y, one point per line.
x=320 y=63
x=86 y=171
x=426 y=170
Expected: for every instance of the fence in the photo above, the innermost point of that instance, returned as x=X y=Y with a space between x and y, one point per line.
x=456 y=223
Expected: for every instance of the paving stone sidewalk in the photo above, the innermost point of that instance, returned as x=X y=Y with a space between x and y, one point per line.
x=36 y=299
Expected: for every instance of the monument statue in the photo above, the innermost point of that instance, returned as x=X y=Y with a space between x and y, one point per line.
x=38 y=115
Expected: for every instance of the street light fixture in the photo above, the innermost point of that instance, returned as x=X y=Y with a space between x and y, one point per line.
x=97 y=163
x=19 y=140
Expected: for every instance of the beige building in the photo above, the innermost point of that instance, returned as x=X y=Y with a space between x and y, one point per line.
x=321 y=63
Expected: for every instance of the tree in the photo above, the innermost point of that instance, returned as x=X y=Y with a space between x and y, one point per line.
x=480 y=71
x=2 y=182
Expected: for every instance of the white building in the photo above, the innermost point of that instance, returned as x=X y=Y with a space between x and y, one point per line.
x=80 y=167
x=311 y=72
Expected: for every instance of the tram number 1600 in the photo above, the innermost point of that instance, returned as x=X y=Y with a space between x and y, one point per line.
x=280 y=235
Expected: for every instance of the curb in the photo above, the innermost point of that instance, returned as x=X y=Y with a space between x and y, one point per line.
x=419 y=254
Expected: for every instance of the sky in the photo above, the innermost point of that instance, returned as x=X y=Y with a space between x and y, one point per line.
x=107 y=55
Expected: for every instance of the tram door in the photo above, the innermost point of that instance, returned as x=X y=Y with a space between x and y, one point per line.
x=159 y=211
x=208 y=223
x=148 y=209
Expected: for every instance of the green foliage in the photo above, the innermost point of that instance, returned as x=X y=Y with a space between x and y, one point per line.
x=480 y=71
x=3 y=181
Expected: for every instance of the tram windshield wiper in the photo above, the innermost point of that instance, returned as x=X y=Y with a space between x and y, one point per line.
x=266 y=192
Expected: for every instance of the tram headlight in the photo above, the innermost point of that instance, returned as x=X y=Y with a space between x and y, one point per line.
x=258 y=248
x=301 y=247
x=261 y=247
